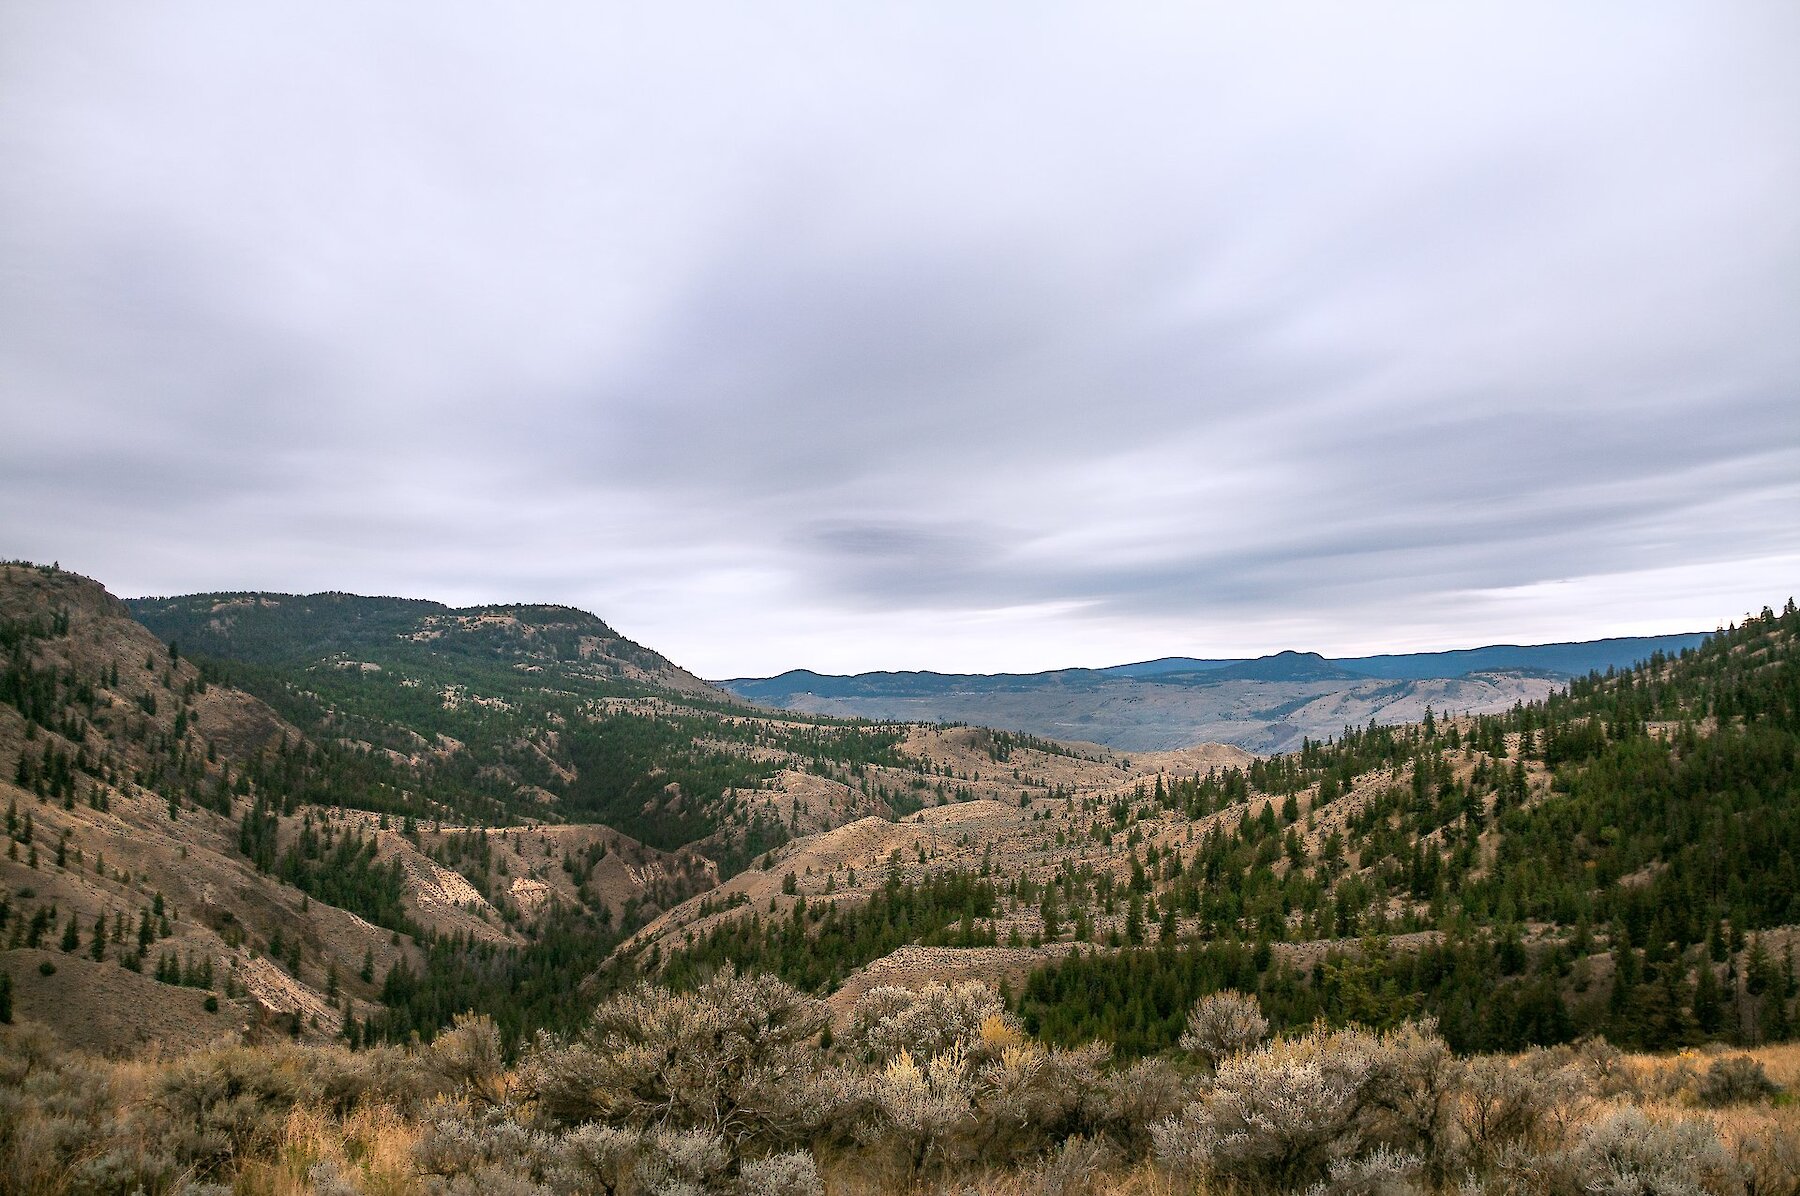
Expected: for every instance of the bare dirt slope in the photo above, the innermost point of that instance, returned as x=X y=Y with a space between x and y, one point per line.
x=107 y=1010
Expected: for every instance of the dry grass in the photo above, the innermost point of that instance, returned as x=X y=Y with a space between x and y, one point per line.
x=1140 y=1180
x=372 y=1150
x=1668 y=1080
x=1781 y=1061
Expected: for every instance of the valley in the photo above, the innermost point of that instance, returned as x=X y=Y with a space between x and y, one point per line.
x=357 y=838
x=356 y=816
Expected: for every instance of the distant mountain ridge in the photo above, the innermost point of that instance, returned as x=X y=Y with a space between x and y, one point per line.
x=1282 y=666
x=1571 y=659
x=1269 y=703
x=1564 y=659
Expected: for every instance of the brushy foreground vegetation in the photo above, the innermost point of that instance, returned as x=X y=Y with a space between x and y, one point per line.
x=740 y=1086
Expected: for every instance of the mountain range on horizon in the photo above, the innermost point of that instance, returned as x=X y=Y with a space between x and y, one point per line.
x=1571 y=658
x=1266 y=704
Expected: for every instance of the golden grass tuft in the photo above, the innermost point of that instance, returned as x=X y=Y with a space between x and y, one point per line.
x=372 y=1148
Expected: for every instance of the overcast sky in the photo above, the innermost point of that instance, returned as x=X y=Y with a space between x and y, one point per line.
x=966 y=337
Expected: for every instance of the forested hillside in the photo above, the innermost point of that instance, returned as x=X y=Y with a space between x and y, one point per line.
x=491 y=714
x=366 y=854
x=431 y=811
x=1609 y=860
x=1619 y=859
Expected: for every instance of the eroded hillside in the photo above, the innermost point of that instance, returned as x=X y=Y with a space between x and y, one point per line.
x=403 y=829
x=169 y=834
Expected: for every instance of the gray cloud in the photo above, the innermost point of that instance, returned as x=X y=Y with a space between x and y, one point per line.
x=858 y=339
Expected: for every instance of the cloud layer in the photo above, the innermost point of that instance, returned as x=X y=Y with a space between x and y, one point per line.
x=1018 y=337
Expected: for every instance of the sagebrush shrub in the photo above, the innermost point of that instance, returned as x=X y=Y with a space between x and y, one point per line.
x=682 y=1163
x=1223 y=1023
x=711 y=1092
x=1411 y=1094
x=1276 y=1117
x=1384 y=1171
x=63 y=1124
x=732 y=1057
x=1503 y=1104
x=1672 y=1083
x=228 y=1102
x=923 y=1022
x=1771 y=1157
x=914 y=1117
x=918 y=1110
x=1609 y=1073
x=1284 y=1115
x=28 y=1048
x=343 y=1079
x=1628 y=1154
x=1136 y=1097
x=620 y=1161
x=327 y=1178
x=486 y=1148
x=1735 y=1080
x=1072 y=1169
x=1032 y=1097
x=468 y=1059
x=791 y=1173
x=597 y=1158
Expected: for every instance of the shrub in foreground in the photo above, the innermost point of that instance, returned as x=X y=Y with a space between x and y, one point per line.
x=1735 y=1080
x=1221 y=1024
x=1628 y=1154
x=734 y=1057
x=1276 y=1117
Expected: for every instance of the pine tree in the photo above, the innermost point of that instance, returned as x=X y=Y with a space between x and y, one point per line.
x=1709 y=1003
